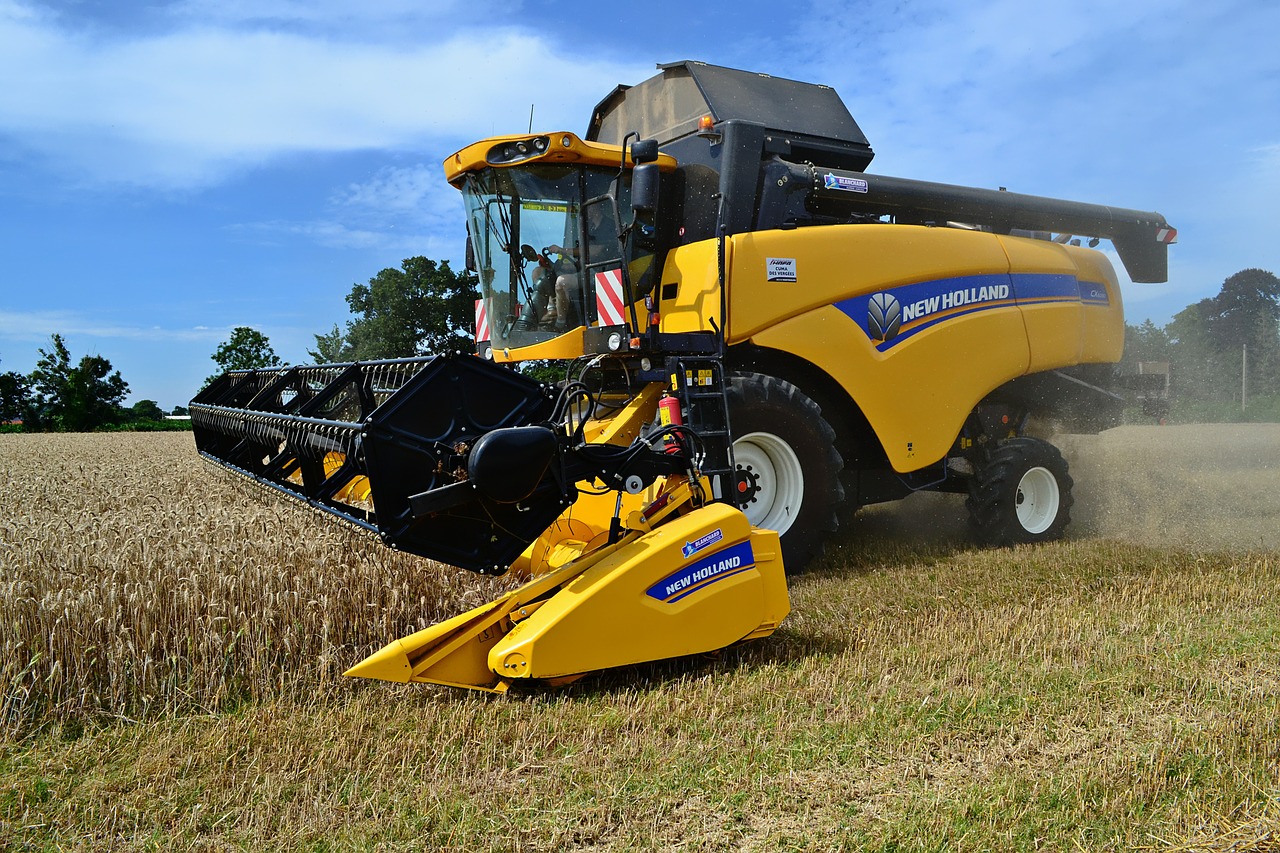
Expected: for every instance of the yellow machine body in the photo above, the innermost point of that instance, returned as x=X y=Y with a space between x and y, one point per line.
x=757 y=335
x=979 y=309
x=697 y=582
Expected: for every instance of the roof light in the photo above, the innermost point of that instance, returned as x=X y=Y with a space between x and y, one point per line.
x=512 y=152
x=707 y=129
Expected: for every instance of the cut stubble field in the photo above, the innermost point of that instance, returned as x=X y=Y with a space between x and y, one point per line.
x=171 y=643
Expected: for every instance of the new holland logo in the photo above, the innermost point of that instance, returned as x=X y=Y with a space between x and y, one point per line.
x=884 y=317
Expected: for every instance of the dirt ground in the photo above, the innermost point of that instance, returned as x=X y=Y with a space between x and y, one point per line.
x=1200 y=486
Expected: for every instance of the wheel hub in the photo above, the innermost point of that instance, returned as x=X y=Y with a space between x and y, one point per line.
x=1037 y=500
x=746 y=484
x=769 y=480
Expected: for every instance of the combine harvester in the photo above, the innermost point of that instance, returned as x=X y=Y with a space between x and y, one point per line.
x=764 y=337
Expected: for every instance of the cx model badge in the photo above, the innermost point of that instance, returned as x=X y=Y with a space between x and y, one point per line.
x=884 y=316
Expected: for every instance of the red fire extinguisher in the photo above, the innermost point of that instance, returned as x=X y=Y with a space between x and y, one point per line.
x=669 y=415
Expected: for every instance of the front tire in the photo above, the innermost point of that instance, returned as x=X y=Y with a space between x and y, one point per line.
x=787 y=467
x=1020 y=494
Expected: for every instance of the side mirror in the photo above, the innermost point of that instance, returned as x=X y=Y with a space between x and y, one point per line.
x=644 y=187
x=471 y=254
x=644 y=151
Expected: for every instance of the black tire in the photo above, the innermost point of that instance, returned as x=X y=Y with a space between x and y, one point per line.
x=788 y=466
x=1020 y=494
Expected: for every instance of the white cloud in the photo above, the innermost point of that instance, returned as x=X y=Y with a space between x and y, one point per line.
x=400 y=190
x=39 y=326
x=408 y=210
x=416 y=195
x=1000 y=93
x=183 y=108
x=341 y=15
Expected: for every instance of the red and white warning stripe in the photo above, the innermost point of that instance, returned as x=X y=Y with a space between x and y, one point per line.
x=1166 y=235
x=609 y=304
x=482 y=322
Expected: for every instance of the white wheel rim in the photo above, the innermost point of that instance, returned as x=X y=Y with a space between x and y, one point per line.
x=1037 y=500
x=778 y=476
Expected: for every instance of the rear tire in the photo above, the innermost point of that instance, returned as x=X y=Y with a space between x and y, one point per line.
x=788 y=470
x=1020 y=494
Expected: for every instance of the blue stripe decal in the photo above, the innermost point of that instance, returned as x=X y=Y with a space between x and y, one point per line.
x=706 y=571
x=896 y=314
x=1045 y=287
x=1092 y=293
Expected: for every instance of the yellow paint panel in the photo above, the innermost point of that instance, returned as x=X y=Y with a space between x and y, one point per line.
x=841 y=261
x=1054 y=328
x=917 y=388
x=1103 y=338
x=606 y=618
x=917 y=394
x=564 y=147
x=694 y=269
x=568 y=345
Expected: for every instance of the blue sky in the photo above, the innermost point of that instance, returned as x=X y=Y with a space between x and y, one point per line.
x=171 y=170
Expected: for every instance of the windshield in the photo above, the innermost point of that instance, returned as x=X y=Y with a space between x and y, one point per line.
x=541 y=236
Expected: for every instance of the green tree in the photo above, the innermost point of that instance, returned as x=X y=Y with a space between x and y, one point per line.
x=1246 y=297
x=146 y=410
x=247 y=349
x=419 y=309
x=1198 y=369
x=1147 y=342
x=1246 y=313
x=80 y=397
x=1207 y=339
x=331 y=347
x=15 y=397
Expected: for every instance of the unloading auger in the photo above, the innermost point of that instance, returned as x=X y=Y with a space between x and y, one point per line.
x=462 y=461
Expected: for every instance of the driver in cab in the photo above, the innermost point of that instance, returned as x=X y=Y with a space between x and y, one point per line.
x=602 y=236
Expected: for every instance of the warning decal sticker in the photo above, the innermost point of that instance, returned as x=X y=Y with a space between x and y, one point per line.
x=780 y=269
x=844 y=183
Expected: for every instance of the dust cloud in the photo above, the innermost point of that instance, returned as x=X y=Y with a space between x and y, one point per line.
x=1210 y=486
x=1202 y=486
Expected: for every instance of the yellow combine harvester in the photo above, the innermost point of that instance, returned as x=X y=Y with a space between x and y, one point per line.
x=764 y=337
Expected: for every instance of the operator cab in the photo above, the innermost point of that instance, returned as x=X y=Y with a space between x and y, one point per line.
x=558 y=250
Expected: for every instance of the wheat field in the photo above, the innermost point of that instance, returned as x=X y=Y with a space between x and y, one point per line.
x=172 y=638
x=144 y=580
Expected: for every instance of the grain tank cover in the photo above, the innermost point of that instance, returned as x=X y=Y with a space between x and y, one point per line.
x=667 y=107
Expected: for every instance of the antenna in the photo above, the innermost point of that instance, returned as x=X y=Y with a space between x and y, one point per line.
x=531 y=118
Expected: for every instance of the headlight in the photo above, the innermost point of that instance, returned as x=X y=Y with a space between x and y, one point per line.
x=505 y=153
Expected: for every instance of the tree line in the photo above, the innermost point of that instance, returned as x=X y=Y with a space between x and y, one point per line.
x=66 y=395
x=424 y=307
x=1223 y=351
x=421 y=308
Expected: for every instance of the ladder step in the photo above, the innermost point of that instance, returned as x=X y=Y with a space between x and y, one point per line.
x=699 y=384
